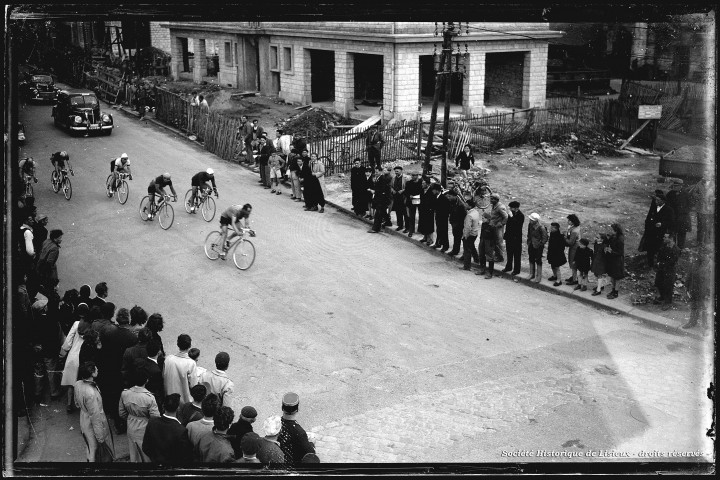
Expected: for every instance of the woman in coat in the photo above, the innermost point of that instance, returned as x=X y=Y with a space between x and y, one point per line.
x=426 y=222
x=464 y=160
x=318 y=169
x=93 y=423
x=358 y=188
x=572 y=237
x=615 y=258
x=598 y=263
x=71 y=352
x=556 y=253
x=136 y=406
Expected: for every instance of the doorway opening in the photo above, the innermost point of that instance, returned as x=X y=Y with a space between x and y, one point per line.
x=368 y=79
x=504 y=79
x=427 y=83
x=322 y=76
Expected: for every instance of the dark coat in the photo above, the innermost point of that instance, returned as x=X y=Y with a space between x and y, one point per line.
x=128 y=361
x=556 y=250
x=265 y=152
x=187 y=412
x=236 y=432
x=583 y=259
x=155 y=383
x=294 y=442
x=383 y=193
x=167 y=442
x=442 y=208
x=47 y=263
x=513 y=228
x=680 y=204
x=457 y=214
x=598 y=262
x=463 y=160
x=665 y=217
x=358 y=186
x=369 y=185
x=615 y=259
x=412 y=188
x=40 y=234
x=667 y=258
x=426 y=223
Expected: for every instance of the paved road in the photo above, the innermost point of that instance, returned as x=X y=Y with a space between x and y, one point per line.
x=397 y=355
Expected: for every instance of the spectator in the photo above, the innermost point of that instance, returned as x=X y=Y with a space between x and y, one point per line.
x=90 y=348
x=82 y=314
x=318 y=170
x=28 y=250
x=282 y=144
x=138 y=318
x=426 y=223
x=47 y=261
x=491 y=233
x=66 y=310
x=598 y=263
x=413 y=190
x=194 y=353
x=93 y=423
x=277 y=164
x=136 y=406
x=85 y=296
x=298 y=146
x=22 y=365
x=245 y=135
x=196 y=429
x=457 y=220
x=615 y=257
x=248 y=415
x=357 y=187
x=486 y=247
x=179 y=371
x=257 y=132
x=71 y=353
x=292 y=437
x=312 y=191
x=47 y=342
x=572 y=236
x=583 y=261
x=537 y=237
x=101 y=293
x=369 y=191
x=471 y=228
x=191 y=411
x=166 y=440
x=149 y=365
x=249 y=445
x=214 y=446
x=103 y=321
x=658 y=222
x=397 y=203
x=382 y=198
x=269 y=451
x=700 y=290
x=667 y=258
x=195 y=100
x=513 y=238
x=204 y=106
x=216 y=381
x=115 y=341
x=442 y=214
x=139 y=350
x=40 y=231
x=155 y=324
x=556 y=253
x=679 y=201
x=264 y=151
x=464 y=159
x=295 y=169
x=373 y=145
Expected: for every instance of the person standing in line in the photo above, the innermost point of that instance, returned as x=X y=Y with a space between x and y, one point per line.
x=413 y=190
x=667 y=258
x=598 y=263
x=369 y=192
x=40 y=231
x=658 y=222
x=249 y=448
x=214 y=446
x=397 y=190
x=318 y=170
x=216 y=381
x=426 y=222
x=71 y=353
x=166 y=440
x=101 y=293
x=93 y=423
x=277 y=165
x=264 y=151
x=197 y=428
x=374 y=143
x=190 y=411
x=556 y=253
x=237 y=430
x=456 y=219
x=492 y=249
x=442 y=214
x=293 y=439
x=116 y=343
x=471 y=229
x=572 y=236
x=138 y=350
x=537 y=237
x=513 y=238
x=155 y=324
x=179 y=371
x=382 y=197
x=295 y=169
x=269 y=451
x=583 y=260
x=149 y=365
x=244 y=135
x=357 y=186
x=136 y=406
x=615 y=258
x=138 y=319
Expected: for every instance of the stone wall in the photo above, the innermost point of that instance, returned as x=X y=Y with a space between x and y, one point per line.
x=504 y=79
x=160 y=37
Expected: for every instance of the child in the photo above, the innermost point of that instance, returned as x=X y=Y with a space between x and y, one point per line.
x=667 y=258
x=583 y=260
x=556 y=253
x=598 y=263
x=276 y=165
x=194 y=353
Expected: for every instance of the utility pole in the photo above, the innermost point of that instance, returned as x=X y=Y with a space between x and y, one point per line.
x=447 y=75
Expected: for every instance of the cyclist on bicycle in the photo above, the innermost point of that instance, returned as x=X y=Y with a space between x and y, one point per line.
x=157 y=187
x=232 y=216
x=200 y=180
x=59 y=159
x=118 y=166
x=27 y=169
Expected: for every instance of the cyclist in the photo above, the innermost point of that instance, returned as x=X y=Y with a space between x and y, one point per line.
x=157 y=187
x=200 y=180
x=232 y=216
x=59 y=159
x=120 y=165
x=27 y=169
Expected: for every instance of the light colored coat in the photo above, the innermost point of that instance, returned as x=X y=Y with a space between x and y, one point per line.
x=318 y=169
x=93 y=422
x=196 y=430
x=137 y=405
x=71 y=348
x=179 y=375
x=217 y=382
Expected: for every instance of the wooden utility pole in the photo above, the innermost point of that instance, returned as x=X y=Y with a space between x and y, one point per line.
x=447 y=75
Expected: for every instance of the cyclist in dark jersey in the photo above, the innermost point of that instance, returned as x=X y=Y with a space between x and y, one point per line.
x=59 y=159
x=232 y=216
x=27 y=169
x=200 y=180
x=157 y=187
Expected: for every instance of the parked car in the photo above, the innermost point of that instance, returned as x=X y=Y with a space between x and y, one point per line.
x=78 y=110
x=21 y=133
x=39 y=87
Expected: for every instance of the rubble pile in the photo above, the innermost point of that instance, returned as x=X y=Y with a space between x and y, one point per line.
x=314 y=121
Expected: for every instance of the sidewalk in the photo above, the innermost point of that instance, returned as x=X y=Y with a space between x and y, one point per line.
x=620 y=305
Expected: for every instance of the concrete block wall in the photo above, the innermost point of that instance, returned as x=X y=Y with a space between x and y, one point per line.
x=474 y=84
x=344 y=83
x=160 y=37
x=199 y=60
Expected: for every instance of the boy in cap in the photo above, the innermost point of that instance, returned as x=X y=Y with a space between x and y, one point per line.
x=269 y=451
x=293 y=439
x=248 y=415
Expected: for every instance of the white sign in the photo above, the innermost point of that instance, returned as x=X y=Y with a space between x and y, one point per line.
x=650 y=112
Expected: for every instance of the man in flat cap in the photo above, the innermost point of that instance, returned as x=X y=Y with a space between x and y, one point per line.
x=293 y=439
x=658 y=222
x=513 y=238
x=679 y=201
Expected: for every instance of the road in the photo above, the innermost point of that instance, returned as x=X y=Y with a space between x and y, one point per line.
x=397 y=355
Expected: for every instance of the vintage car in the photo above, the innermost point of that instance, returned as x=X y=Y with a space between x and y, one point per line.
x=21 y=133
x=39 y=87
x=78 y=111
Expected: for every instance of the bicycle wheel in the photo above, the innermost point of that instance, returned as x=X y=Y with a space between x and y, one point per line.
x=188 y=198
x=67 y=188
x=123 y=192
x=108 y=186
x=166 y=215
x=244 y=254
x=212 y=245
x=55 y=181
x=145 y=208
x=208 y=209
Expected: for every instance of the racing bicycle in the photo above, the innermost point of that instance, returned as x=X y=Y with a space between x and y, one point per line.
x=242 y=249
x=122 y=189
x=62 y=181
x=203 y=201
x=163 y=211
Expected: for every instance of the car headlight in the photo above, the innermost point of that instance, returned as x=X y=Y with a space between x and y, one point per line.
x=106 y=118
x=77 y=119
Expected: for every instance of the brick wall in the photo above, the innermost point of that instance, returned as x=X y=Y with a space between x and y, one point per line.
x=160 y=37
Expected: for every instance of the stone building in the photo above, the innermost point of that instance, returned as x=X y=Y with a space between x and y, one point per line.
x=387 y=64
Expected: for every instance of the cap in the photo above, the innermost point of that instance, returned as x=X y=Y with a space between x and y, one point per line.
x=124 y=155
x=514 y=204
x=41 y=302
x=248 y=412
x=166 y=175
x=290 y=399
x=210 y=171
x=272 y=425
x=40 y=217
x=534 y=217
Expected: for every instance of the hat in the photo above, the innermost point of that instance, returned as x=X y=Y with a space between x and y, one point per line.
x=248 y=412
x=514 y=204
x=534 y=217
x=41 y=302
x=678 y=181
x=660 y=195
x=272 y=425
x=41 y=217
x=290 y=399
x=124 y=155
x=659 y=192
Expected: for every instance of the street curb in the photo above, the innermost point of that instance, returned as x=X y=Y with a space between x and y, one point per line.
x=654 y=321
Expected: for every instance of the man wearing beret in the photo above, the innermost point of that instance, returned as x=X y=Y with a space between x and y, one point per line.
x=293 y=439
x=248 y=415
x=679 y=201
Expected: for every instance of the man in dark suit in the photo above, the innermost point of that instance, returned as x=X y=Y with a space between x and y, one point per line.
x=101 y=290
x=152 y=369
x=513 y=238
x=166 y=440
x=265 y=150
x=658 y=222
x=138 y=350
x=382 y=197
x=457 y=220
x=442 y=213
x=115 y=342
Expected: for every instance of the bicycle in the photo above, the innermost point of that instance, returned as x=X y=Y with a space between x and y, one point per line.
x=203 y=201
x=243 y=250
x=62 y=181
x=122 y=189
x=337 y=155
x=163 y=210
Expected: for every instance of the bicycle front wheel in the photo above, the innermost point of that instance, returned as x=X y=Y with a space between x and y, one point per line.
x=55 y=181
x=67 y=188
x=166 y=215
x=213 y=245
x=244 y=254
x=123 y=192
x=188 y=200
x=108 y=186
x=208 y=209
x=145 y=208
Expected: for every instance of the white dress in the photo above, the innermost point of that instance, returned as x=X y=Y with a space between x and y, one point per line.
x=72 y=345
